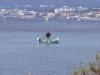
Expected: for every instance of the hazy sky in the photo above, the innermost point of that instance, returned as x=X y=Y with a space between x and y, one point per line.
x=86 y=3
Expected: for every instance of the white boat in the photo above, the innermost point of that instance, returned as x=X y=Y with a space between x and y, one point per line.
x=48 y=41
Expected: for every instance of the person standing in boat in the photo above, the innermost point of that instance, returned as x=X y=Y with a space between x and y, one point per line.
x=48 y=35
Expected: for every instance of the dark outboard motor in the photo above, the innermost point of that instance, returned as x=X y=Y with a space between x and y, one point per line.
x=39 y=39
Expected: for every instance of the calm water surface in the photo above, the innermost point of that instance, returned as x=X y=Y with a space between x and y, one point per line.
x=20 y=52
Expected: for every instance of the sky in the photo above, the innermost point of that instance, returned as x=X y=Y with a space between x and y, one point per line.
x=72 y=3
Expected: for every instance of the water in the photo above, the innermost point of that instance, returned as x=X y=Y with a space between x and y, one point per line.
x=20 y=52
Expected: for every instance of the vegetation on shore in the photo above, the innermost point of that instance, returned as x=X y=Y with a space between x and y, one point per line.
x=92 y=69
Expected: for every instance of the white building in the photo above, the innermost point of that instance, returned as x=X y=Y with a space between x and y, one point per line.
x=63 y=9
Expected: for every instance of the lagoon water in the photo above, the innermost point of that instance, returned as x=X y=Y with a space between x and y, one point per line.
x=20 y=53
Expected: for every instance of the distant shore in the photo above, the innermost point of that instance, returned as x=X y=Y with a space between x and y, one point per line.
x=46 y=13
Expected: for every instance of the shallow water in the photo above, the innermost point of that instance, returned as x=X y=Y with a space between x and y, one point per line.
x=20 y=52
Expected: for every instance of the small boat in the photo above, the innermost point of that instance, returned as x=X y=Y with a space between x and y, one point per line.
x=48 y=41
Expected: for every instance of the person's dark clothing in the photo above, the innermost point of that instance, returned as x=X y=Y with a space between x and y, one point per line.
x=48 y=35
